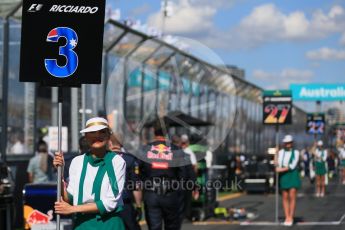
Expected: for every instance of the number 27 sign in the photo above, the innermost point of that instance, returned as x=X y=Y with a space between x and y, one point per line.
x=277 y=107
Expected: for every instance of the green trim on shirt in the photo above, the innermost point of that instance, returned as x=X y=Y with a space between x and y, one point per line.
x=101 y=207
x=105 y=165
x=95 y=161
x=97 y=183
x=70 y=198
x=81 y=181
x=111 y=172
x=292 y=158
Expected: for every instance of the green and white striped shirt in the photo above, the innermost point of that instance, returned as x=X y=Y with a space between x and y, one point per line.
x=108 y=200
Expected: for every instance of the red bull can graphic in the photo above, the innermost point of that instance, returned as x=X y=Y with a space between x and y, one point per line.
x=33 y=216
x=39 y=202
x=37 y=217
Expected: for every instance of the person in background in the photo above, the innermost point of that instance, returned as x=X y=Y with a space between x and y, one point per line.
x=83 y=145
x=193 y=169
x=18 y=146
x=131 y=193
x=331 y=165
x=320 y=157
x=289 y=178
x=162 y=166
x=40 y=166
x=94 y=191
x=185 y=146
x=209 y=158
x=342 y=162
x=306 y=164
x=239 y=169
x=176 y=140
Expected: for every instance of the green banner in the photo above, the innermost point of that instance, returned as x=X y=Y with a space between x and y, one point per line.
x=277 y=93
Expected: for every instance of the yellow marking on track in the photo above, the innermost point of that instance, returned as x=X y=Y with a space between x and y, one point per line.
x=142 y=222
x=223 y=198
x=230 y=196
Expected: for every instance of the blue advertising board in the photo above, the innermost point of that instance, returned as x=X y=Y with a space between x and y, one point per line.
x=318 y=92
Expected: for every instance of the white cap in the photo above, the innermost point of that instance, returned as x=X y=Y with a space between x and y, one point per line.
x=287 y=139
x=95 y=124
x=184 y=138
x=320 y=143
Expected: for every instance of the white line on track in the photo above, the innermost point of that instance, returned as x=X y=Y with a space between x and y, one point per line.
x=309 y=223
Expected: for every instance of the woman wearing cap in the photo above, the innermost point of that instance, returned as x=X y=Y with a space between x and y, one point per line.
x=96 y=181
x=320 y=157
x=289 y=179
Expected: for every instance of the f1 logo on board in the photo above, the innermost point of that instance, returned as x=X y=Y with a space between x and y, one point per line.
x=35 y=7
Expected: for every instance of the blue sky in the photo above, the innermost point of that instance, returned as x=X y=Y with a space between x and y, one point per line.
x=276 y=42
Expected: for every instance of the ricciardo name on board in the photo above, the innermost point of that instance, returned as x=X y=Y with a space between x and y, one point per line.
x=73 y=9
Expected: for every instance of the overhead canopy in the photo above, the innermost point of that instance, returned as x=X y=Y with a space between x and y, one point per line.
x=123 y=41
x=8 y=6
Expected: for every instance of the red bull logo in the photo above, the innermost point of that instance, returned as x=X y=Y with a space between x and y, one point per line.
x=161 y=152
x=37 y=217
x=33 y=216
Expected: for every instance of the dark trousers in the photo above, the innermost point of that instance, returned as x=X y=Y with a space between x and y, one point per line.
x=188 y=204
x=128 y=216
x=166 y=208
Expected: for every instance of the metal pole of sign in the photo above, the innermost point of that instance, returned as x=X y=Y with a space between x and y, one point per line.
x=59 y=177
x=318 y=110
x=83 y=106
x=277 y=174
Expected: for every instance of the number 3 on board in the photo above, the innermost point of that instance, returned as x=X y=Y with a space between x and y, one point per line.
x=66 y=50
